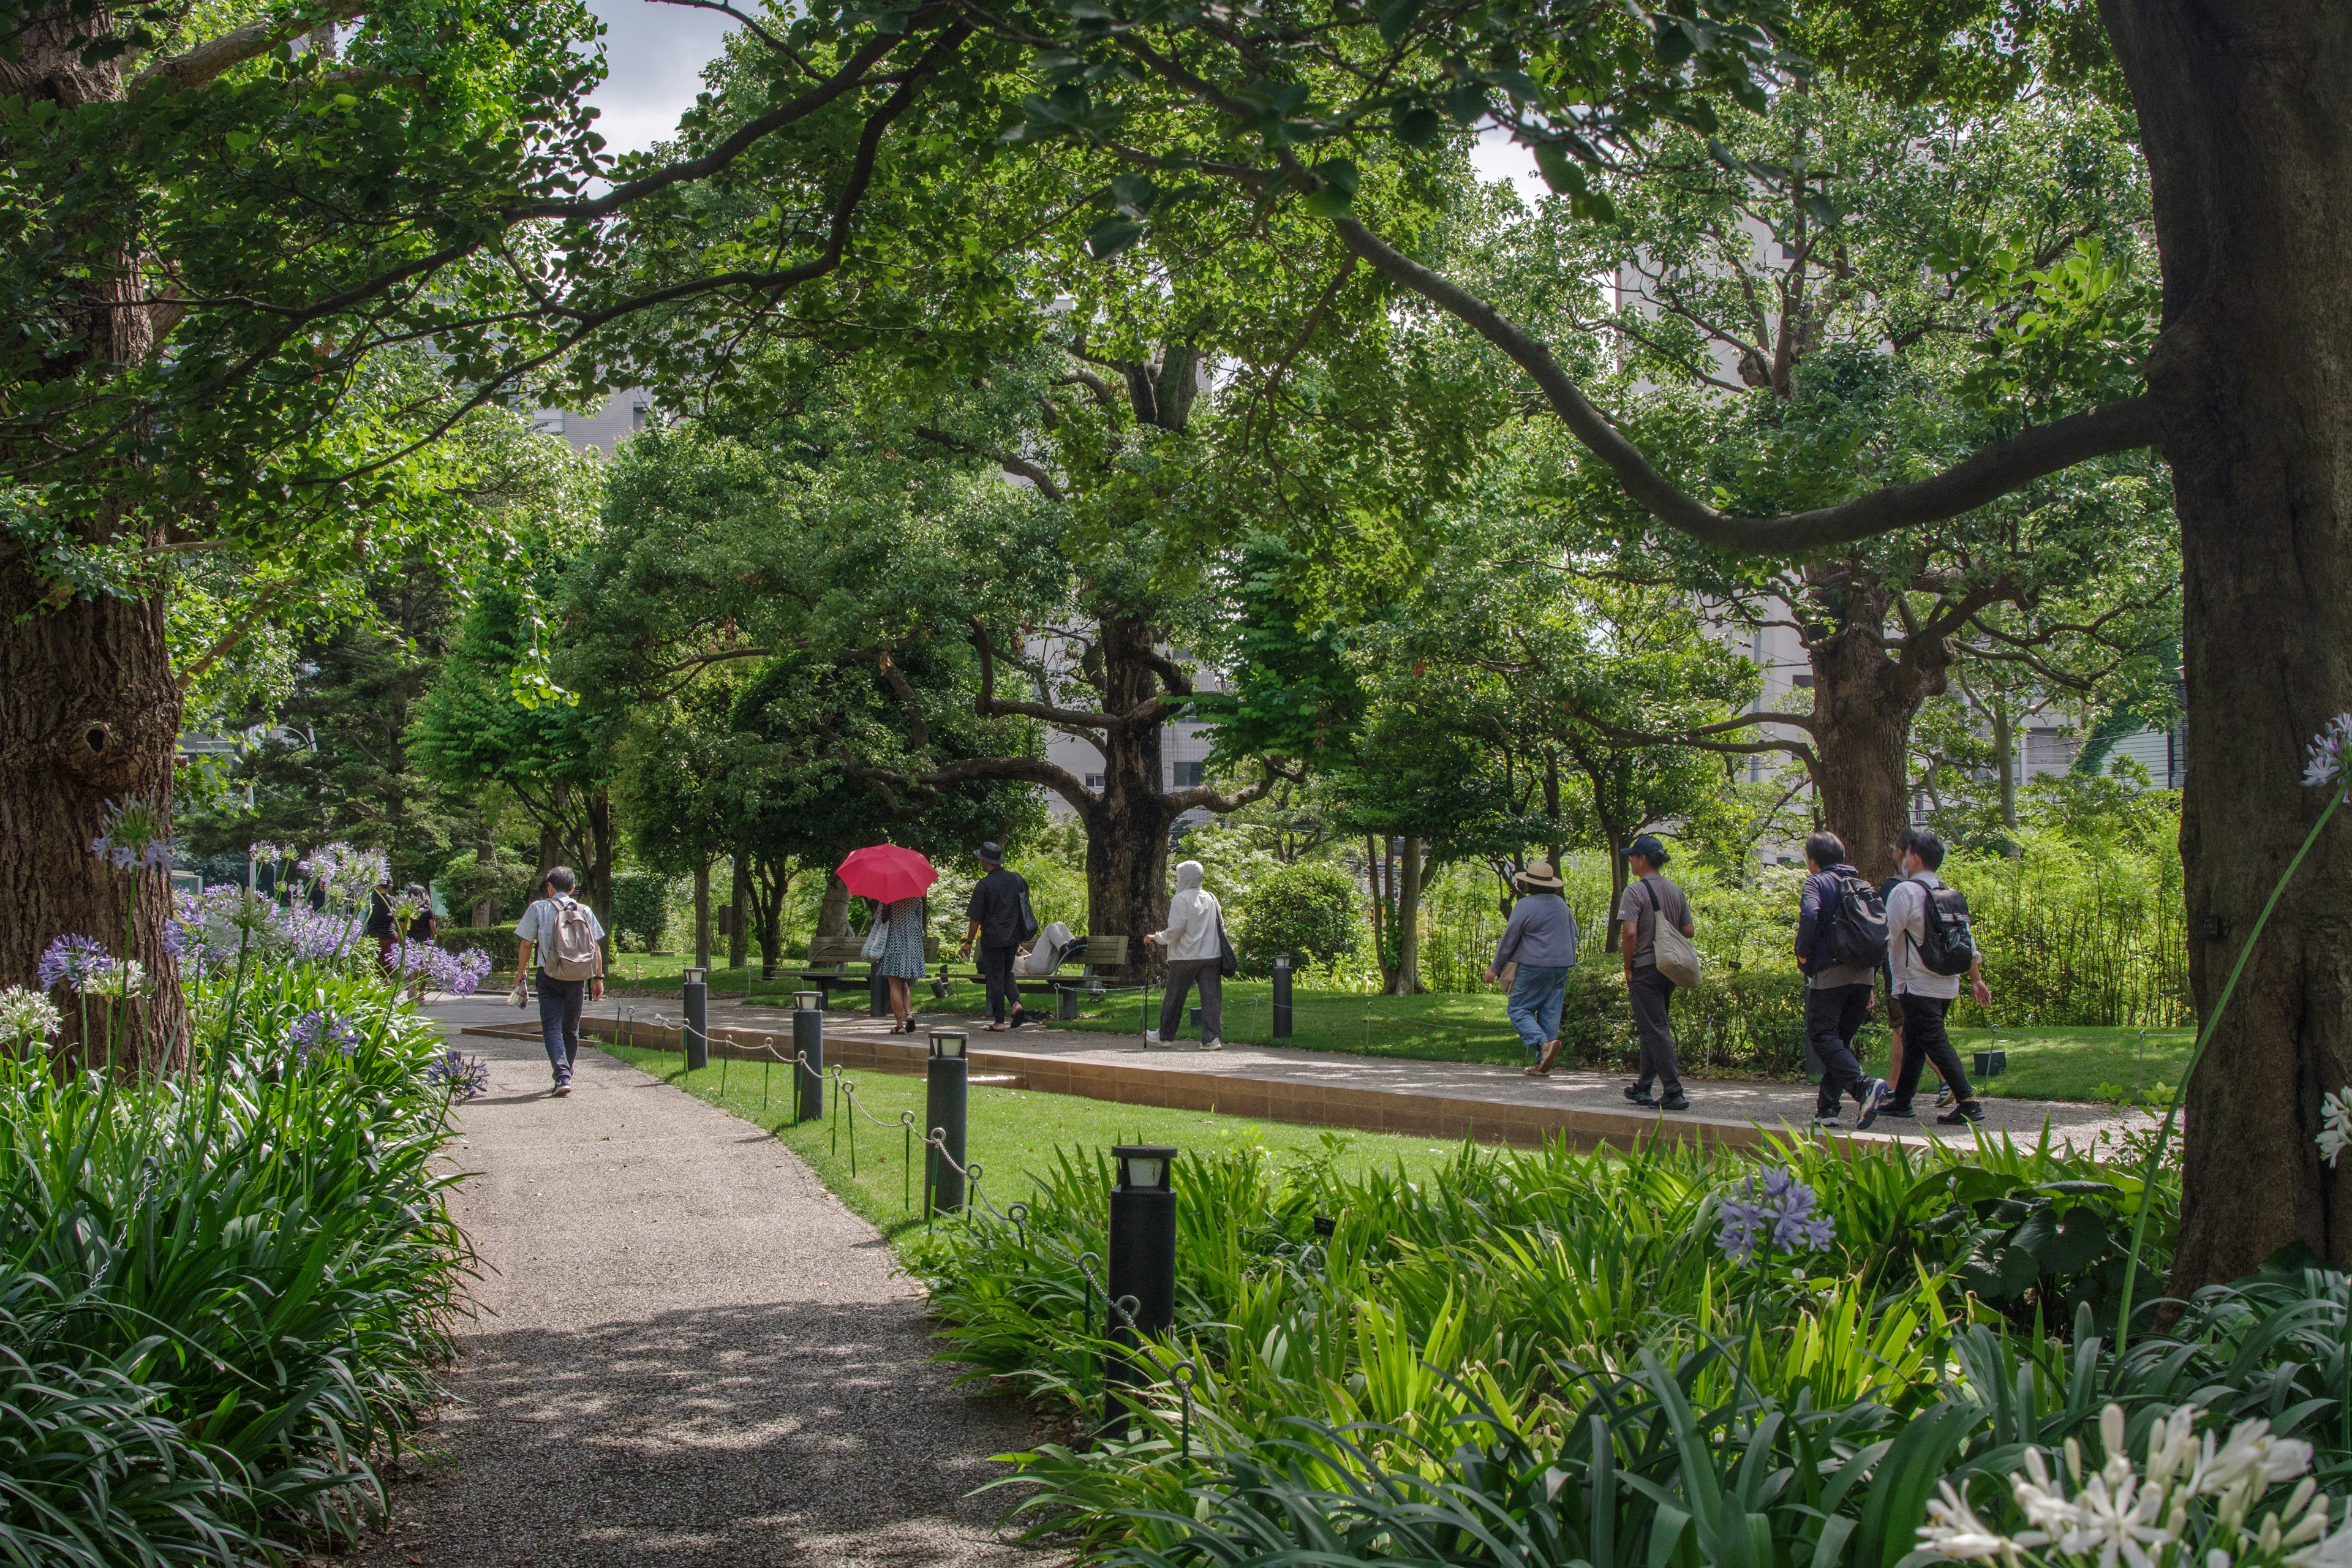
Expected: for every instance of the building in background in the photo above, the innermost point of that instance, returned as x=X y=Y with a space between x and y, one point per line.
x=623 y=413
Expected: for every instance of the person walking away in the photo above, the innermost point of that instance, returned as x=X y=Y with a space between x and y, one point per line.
x=1540 y=938
x=1194 y=942
x=380 y=920
x=1931 y=947
x=424 y=927
x=1001 y=921
x=901 y=962
x=1649 y=896
x=567 y=939
x=1841 y=943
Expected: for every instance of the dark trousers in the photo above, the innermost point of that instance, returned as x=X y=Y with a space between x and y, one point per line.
x=996 y=973
x=1182 y=975
x=559 y=1021
x=1652 y=993
x=1834 y=1016
x=1926 y=1043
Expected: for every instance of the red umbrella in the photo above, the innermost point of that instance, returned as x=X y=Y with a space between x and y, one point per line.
x=887 y=872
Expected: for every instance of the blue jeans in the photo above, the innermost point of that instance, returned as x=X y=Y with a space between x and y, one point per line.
x=1536 y=996
x=559 y=1021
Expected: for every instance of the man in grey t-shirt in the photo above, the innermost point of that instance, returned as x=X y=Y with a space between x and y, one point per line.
x=1649 y=896
x=558 y=1000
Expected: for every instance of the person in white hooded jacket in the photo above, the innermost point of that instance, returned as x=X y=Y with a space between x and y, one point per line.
x=1193 y=949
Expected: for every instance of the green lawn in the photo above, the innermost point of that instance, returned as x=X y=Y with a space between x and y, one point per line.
x=2077 y=1063
x=1011 y=1131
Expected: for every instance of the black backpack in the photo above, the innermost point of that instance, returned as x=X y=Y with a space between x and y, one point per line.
x=1946 y=945
x=1855 y=933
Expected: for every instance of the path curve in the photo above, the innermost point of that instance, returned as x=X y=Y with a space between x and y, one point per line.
x=688 y=1353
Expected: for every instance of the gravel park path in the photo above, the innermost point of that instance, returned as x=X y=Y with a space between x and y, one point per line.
x=687 y=1353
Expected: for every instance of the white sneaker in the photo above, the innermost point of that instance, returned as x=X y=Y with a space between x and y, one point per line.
x=1150 y=1037
x=1212 y=1045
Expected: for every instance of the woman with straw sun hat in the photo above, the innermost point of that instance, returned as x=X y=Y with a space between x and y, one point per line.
x=1540 y=943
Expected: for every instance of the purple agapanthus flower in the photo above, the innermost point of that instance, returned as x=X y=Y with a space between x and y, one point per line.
x=314 y=935
x=1772 y=1211
x=465 y=1076
x=318 y=1031
x=435 y=968
x=134 y=836
x=77 y=962
x=2330 y=761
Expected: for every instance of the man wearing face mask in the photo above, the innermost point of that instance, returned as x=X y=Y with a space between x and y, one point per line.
x=1195 y=944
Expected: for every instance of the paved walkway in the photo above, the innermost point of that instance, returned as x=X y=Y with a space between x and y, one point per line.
x=1726 y=1102
x=688 y=1352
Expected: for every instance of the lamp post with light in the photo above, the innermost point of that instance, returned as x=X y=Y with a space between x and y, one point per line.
x=808 y=1053
x=1143 y=1264
x=1281 y=1014
x=945 y=1099
x=697 y=992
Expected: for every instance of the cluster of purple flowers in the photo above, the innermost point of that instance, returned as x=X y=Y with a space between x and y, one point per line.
x=316 y=935
x=463 y=1076
x=77 y=962
x=134 y=836
x=431 y=967
x=211 y=928
x=318 y=1031
x=1772 y=1211
x=2330 y=762
x=349 y=875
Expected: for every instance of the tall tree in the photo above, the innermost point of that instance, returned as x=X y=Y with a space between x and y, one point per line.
x=2240 y=106
x=218 y=225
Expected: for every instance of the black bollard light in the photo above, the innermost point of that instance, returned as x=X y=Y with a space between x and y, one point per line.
x=1282 y=996
x=1142 y=1271
x=698 y=1019
x=808 y=1046
x=878 y=994
x=944 y=1104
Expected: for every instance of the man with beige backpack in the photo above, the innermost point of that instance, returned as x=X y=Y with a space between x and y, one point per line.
x=1656 y=931
x=568 y=940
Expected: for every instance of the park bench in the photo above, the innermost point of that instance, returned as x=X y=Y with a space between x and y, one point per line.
x=1100 y=952
x=828 y=967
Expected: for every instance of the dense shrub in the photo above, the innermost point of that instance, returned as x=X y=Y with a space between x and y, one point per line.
x=223 y=1294
x=499 y=942
x=1499 y=1296
x=1744 y=1022
x=1305 y=910
x=641 y=908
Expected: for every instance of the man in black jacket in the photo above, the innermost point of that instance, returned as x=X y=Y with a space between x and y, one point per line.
x=999 y=913
x=1837 y=996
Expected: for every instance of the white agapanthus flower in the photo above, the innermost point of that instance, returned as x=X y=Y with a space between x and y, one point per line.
x=2335 y=1124
x=26 y=1018
x=2187 y=1507
x=124 y=980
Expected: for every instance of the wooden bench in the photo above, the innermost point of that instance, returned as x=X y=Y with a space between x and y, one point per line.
x=828 y=967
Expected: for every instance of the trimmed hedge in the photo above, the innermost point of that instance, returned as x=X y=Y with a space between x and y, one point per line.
x=499 y=942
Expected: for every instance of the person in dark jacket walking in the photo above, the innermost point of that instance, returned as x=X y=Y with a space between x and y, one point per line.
x=999 y=913
x=1540 y=938
x=1649 y=899
x=1837 y=996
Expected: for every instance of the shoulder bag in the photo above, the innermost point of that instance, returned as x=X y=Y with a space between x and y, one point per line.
x=1677 y=959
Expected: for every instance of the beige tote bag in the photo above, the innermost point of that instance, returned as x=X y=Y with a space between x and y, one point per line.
x=1677 y=959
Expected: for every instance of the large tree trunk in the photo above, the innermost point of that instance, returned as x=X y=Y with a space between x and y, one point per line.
x=1407 y=980
x=738 y=913
x=1127 y=826
x=2004 y=760
x=2245 y=107
x=1864 y=701
x=88 y=713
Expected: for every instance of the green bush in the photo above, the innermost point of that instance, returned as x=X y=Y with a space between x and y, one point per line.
x=1307 y=909
x=1515 y=1288
x=641 y=907
x=499 y=942
x=224 y=1294
x=1746 y=1021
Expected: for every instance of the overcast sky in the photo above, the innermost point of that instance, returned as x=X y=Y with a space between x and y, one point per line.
x=655 y=55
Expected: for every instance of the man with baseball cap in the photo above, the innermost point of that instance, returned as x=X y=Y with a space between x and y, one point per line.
x=1650 y=898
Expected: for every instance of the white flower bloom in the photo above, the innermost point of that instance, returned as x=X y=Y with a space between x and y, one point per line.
x=2335 y=1124
x=127 y=979
x=2120 y=1522
x=2252 y=1454
x=26 y=1018
x=1954 y=1531
x=2334 y=1552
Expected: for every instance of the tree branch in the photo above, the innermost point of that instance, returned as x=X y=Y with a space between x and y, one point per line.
x=206 y=61
x=1991 y=474
x=1011 y=462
